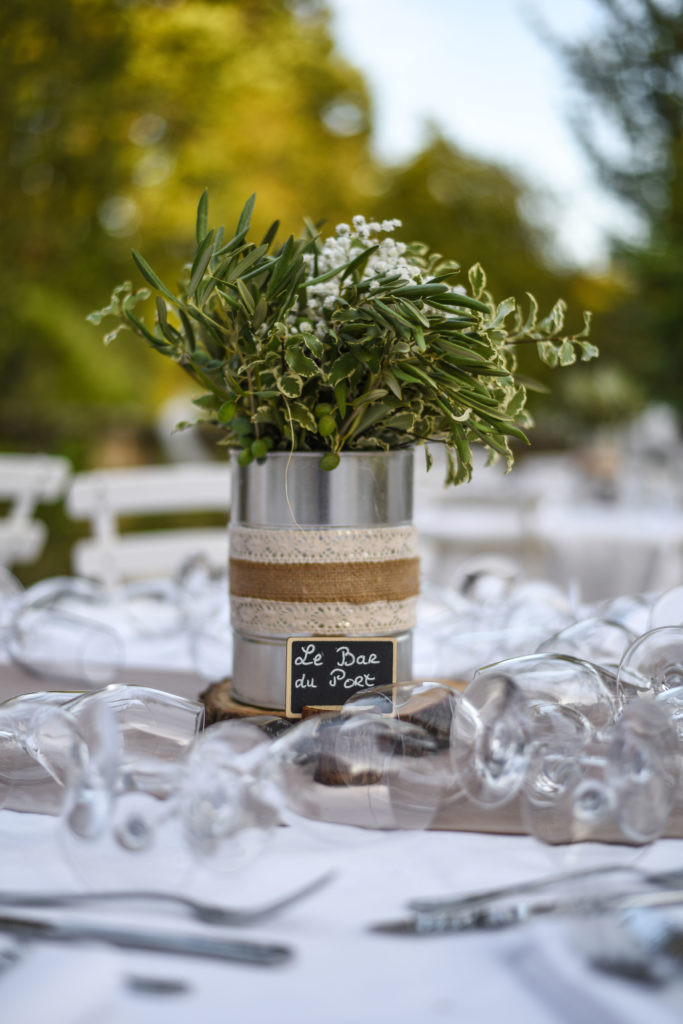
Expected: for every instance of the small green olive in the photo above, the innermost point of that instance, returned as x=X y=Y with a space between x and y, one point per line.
x=245 y=457
x=329 y=461
x=226 y=412
x=259 y=449
x=242 y=425
x=326 y=425
x=322 y=409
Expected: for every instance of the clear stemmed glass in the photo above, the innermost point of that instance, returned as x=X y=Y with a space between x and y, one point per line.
x=631 y=610
x=201 y=590
x=210 y=643
x=148 y=608
x=75 y=595
x=593 y=639
x=605 y=796
x=120 y=823
x=490 y=739
x=225 y=814
x=516 y=709
x=149 y=722
x=653 y=662
x=487 y=579
x=428 y=704
x=667 y=609
x=562 y=679
x=358 y=768
x=39 y=746
x=644 y=765
x=537 y=608
x=50 y=643
x=672 y=701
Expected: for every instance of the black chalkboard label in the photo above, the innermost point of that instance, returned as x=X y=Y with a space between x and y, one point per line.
x=323 y=672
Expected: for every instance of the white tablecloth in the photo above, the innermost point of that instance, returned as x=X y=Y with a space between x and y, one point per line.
x=341 y=973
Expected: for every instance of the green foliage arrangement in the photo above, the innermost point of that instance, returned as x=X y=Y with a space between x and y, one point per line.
x=352 y=342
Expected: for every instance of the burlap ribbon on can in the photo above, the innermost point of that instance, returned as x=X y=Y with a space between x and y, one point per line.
x=323 y=582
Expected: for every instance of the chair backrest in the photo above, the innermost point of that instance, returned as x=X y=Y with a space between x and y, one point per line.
x=25 y=482
x=103 y=496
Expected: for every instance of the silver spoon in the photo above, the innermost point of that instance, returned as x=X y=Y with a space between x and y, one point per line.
x=208 y=913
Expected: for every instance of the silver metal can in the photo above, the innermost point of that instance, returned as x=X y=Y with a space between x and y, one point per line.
x=289 y=492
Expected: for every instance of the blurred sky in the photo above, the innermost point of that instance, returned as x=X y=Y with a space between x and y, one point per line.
x=479 y=71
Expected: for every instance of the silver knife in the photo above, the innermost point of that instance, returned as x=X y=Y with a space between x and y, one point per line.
x=489 y=917
x=245 y=951
x=450 y=904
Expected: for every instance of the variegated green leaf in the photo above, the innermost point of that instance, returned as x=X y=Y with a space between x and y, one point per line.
x=300 y=363
x=303 y=416
x=477 y=279
x=342 y=368
x=313 y=344
x=503 y=310
x=290 y=385
x=529 y=324
x=588 y=351
x=566 y=354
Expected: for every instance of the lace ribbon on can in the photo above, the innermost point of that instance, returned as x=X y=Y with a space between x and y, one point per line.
x=323 y=582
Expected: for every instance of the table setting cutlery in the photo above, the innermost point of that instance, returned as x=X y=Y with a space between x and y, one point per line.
x=637 y=943
x=207 y=913
x=185 y=944
x=453 y=903
x=487 y=913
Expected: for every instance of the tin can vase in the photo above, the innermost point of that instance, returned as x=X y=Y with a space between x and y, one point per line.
x=315 y=553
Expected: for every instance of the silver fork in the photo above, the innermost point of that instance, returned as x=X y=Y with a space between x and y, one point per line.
x=208 y=913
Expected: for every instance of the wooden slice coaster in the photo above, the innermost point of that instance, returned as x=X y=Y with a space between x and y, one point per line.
x=219 y=704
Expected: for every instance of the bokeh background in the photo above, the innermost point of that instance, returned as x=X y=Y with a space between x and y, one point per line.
x=116 y=114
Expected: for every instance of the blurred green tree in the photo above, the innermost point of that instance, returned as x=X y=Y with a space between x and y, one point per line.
x=114 y=115
x=473 y=210
x=629 y=118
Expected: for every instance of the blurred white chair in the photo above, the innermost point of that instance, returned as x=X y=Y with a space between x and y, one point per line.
x=490 y=515
x=25 y=482
x=113 y=554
